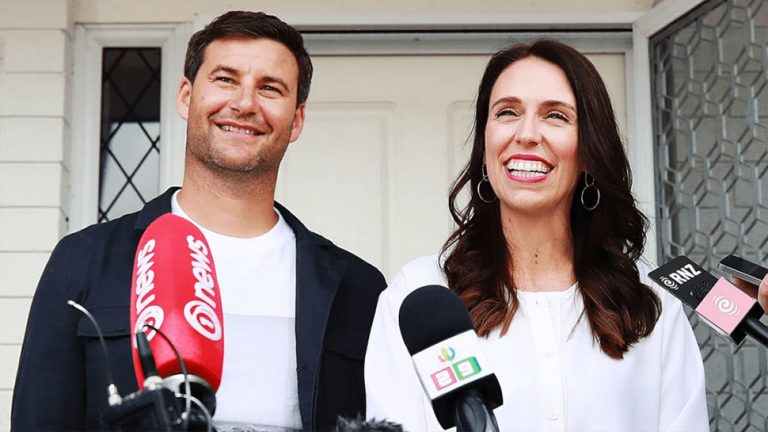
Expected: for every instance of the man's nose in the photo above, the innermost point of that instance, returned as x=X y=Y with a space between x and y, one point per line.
x=245 y=100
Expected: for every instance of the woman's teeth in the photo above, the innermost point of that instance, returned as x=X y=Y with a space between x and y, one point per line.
x=525 y=168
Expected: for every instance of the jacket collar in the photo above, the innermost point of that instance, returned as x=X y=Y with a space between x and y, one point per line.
x=319 y=271
x=162 y=204
x=154 y=209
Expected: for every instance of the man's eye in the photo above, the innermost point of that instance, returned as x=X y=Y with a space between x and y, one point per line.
x=223 y=79
x=270 y=88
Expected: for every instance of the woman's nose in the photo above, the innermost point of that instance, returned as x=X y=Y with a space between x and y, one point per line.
x=528 y=131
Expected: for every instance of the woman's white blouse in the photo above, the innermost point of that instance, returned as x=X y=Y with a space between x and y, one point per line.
x=553 y=376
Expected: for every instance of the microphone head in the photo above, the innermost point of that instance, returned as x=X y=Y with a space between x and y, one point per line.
x=174 y=288
x=360 y=425
x=718 y=302
x=146 y=359
x=431 y=314
x=684 y=279
x=438 y=333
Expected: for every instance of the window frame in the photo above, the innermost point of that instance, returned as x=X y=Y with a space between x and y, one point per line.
x=641 y=131
x=90 y=40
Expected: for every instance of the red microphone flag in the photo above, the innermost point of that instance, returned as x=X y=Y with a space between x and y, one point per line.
x=174 y=288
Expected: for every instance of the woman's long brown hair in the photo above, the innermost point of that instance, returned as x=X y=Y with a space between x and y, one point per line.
x=606 y=242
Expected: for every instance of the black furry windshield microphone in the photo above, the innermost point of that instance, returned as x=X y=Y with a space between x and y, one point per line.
x=360 y=425
x=453 y=370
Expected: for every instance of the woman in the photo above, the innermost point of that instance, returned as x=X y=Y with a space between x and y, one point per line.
x=545 y=258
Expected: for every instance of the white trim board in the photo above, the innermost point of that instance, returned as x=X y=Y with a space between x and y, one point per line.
x=454 y=43
x=436 y=20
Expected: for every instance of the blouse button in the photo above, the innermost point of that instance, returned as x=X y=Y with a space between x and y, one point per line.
x=553 y=415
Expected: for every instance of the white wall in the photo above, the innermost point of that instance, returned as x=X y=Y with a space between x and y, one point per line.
x=34 y=126
x=36 y=72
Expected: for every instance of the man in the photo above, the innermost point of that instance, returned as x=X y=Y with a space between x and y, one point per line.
x=297 y=308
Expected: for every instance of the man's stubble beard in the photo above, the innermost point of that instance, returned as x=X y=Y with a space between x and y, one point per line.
x=258 y=166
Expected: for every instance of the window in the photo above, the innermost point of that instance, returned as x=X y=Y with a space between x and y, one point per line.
x=130 y=130
x=127 y=139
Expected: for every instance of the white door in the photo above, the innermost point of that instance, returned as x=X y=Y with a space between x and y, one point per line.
x=384 y=139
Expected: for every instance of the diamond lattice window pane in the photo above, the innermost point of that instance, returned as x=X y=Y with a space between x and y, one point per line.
x=130 y=132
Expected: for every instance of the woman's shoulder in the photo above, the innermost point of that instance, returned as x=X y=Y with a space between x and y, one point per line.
x=426 y=268
x=415 y=274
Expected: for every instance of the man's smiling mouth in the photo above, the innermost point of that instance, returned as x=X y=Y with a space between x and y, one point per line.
x=240 y=130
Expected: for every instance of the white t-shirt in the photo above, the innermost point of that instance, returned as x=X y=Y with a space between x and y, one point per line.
x=553 y=376
x=257 y=280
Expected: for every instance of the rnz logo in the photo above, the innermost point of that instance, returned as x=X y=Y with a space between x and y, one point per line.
x=680 y=276
x=669 y=283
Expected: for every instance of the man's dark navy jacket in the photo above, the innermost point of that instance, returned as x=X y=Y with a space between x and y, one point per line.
x=61 y=382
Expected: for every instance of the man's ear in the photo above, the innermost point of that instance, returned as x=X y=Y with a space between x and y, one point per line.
x=183 y=98
x=298 y=123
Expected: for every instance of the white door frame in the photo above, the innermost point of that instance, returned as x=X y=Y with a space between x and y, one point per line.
x=83 y=158
x=641 y=155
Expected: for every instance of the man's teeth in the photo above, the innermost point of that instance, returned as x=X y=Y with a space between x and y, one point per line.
x=523 y=168
x=229 y=128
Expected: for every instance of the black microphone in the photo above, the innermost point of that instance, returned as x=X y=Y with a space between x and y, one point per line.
x=153 y=409
x=360 y=425
x=719 y=303
x=147 y=361
x=453 y=370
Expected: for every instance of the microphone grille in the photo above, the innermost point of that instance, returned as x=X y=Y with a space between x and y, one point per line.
x=360 y=425
x=431 y=314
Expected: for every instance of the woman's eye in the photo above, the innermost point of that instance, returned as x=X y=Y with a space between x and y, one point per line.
x=506 y=112
x=558 y=116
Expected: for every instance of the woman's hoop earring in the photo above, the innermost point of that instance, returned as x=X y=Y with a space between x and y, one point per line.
x=589 y=182
x=484 y=170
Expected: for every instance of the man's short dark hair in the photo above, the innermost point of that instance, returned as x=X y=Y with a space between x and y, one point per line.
x=244 y=24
